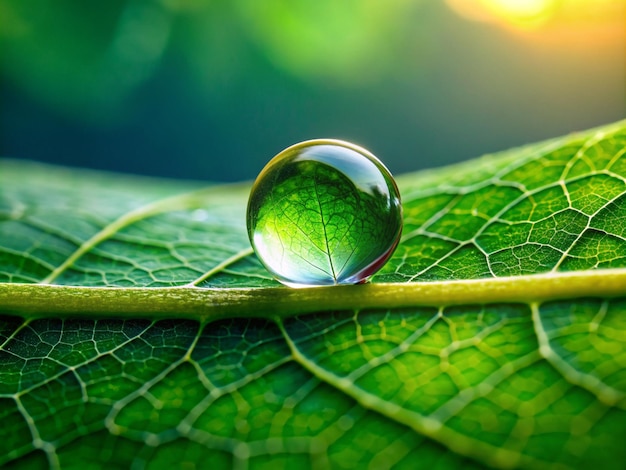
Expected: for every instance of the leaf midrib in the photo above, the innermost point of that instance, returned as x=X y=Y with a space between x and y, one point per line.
x=208 y=304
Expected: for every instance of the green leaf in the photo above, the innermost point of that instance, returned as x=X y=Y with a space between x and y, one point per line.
x=139 y=329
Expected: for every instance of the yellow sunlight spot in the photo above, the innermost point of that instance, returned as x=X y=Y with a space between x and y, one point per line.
x=571 y=21
x=523 y=14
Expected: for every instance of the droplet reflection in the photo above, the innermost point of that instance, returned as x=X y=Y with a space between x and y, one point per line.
x=324 y=212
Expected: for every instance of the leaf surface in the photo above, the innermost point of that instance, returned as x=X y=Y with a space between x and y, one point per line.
x=140 y=330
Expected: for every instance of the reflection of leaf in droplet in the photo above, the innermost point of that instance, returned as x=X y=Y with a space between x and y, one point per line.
x=491 y=365
x=312 y=219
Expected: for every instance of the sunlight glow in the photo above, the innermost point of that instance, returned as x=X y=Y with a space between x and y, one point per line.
x=523 y=14
x=572 y=21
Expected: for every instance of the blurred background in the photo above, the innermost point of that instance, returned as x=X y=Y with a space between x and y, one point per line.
x=212 y=89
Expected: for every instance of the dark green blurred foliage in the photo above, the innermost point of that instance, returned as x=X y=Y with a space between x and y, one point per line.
x=213 y=89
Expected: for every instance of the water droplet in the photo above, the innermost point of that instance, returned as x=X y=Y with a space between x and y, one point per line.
x=324 y=212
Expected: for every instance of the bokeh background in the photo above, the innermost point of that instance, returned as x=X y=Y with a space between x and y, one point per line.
x=212 y=89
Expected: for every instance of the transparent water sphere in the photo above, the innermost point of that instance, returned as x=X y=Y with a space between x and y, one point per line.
x=324 y=212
